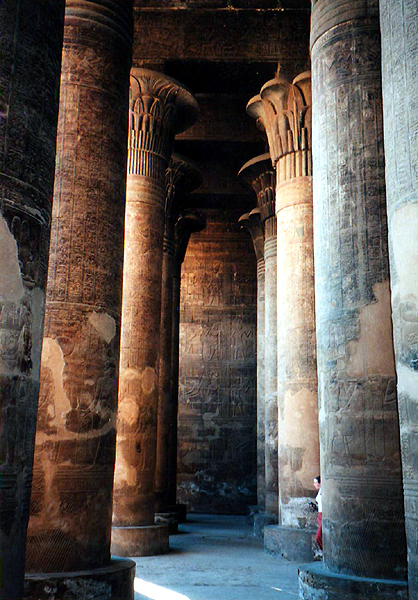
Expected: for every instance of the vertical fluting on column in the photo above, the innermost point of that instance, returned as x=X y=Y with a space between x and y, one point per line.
x=362 y=487
x=287 y=120
x=252 y=223
x=189 y=222
x=259 y=173
x=181 y=177
x=30 y=62
x=71 y=500
x=159 y=108
x=398 y=20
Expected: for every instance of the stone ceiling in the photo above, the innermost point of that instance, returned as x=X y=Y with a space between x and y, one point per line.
x=223 y=51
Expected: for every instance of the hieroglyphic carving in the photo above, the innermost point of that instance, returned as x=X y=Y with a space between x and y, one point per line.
x=355 y=348
x=70 y=524
x=217 y=368
x=181 y=176
x=30 y=56
x=159 y=108
x=399 y=52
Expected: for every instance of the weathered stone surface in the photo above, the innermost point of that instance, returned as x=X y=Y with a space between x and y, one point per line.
x=113 y=582
x=399 y=53
x=75 y=445
x=252 y=223
x=30 y=59
x=363 y=504
x=223 y=35
x=217 y=369
x=159 y=107
x=283 y=110
x=316 y=582
x=259 y=173
x=181 y=177
x=293 y=543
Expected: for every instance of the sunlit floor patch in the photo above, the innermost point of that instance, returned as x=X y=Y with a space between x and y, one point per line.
x=156 y=592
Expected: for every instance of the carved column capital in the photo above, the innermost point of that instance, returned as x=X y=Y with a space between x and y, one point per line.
x=159 y=108
x=182 y=176
x=260 y=175
x=252 y=223
x=283 y=111
x=190 y=221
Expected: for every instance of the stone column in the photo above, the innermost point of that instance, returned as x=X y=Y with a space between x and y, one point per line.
x=364 y=538
x=259 y=173
x=71 y=501
x=399 y=31
x=182 y=177
x=189 y=222
x=287 y=121
x=30 y=62
x=159 y=108
x=252 y=223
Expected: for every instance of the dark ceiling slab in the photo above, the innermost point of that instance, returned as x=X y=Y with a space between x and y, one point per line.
x=237 y=77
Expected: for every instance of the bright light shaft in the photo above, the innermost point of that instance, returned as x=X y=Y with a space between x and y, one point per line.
x=156 y=592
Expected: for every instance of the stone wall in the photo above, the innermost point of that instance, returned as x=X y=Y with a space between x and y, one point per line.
x=217 y=399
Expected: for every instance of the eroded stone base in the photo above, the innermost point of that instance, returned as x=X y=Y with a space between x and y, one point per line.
x=115 y=582
x=146 y=540
x=317 y=583
x=168 y=518
x=261 y=520
x=289 y=542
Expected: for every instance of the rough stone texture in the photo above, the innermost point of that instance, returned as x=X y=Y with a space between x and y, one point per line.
x=148 y=540
x=167 y=35
x=188 y=223
x=398 y=21
x=261 y=520
x=159 y=107
x=107 y=583
x=252 y=223
x=363 y=505
x=293 y=543
x=259 y=173
x=182 y=176
x=75 y=446
x=317 y=583
x=217 y=369
x=30 y=60
x=283 y=110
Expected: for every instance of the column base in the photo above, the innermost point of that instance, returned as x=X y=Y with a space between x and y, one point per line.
x=115 y=582
x=169 y=518
x=252 y=510
x=289 y=542
x=262 y=519
x=145 y=540
x=316 y=582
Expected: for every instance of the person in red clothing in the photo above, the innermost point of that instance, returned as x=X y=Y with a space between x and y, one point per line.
x=317 y=486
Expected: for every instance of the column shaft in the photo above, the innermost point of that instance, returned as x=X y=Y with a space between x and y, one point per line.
x=287 y=119
x=159 y=108
x=166 y=420
x=270 y=366
x=30 y=61
x=362 y=488
x=398 y=21
x=261 y=408
x=75 y=445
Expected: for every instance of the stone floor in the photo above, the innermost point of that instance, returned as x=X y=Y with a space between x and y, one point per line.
x=215 y=557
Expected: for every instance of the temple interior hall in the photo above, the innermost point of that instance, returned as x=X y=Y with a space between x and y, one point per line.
x=208 y=299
